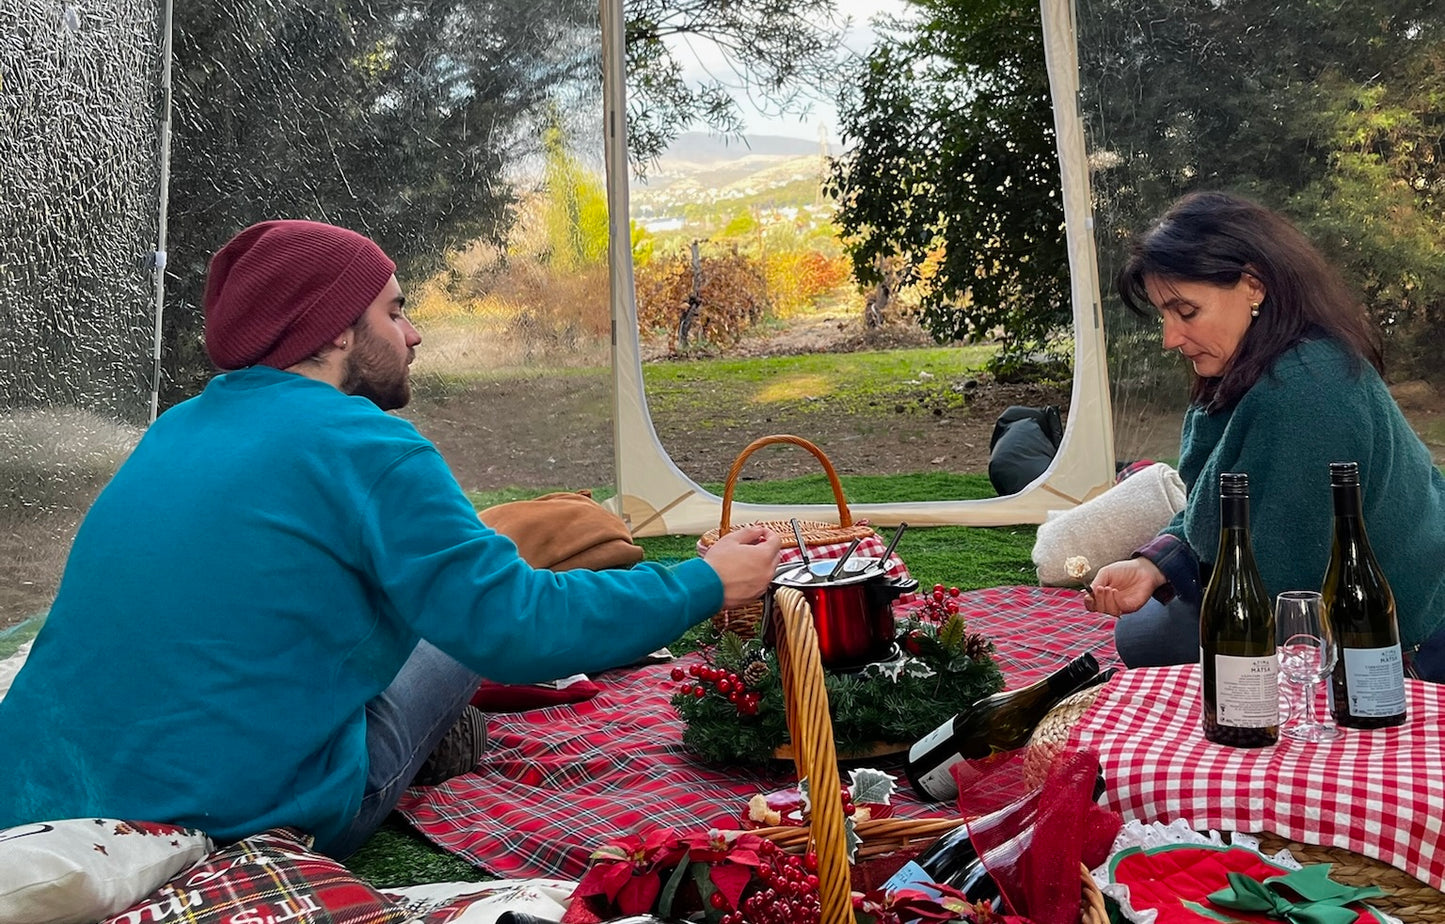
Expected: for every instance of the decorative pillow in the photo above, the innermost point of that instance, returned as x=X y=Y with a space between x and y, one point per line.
x=271 y=876
x=484 y=902
x=1074 y=544
x=83 y=869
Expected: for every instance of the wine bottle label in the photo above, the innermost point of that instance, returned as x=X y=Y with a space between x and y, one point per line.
x=939 y=783
x=912 y=876
x=1375 y=681
x=1246 y=691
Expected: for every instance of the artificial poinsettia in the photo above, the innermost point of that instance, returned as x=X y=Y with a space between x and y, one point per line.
x=626 y=874
x=916 y=905
x=730 y=861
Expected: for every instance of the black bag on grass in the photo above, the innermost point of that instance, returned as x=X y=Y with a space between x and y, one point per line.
x=1024 y=442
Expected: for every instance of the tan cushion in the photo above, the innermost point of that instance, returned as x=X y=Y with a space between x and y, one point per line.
x=565 y=530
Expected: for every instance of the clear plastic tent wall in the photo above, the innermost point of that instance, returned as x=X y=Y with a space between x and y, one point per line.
x=440 y=129
x=79 y=222
x=430 y=127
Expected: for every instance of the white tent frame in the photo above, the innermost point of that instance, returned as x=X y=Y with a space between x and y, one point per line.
x=657 y=498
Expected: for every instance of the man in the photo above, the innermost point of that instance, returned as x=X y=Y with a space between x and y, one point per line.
x=282 y=601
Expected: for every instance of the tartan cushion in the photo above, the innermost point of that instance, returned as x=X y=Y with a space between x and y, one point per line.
x=271 y=876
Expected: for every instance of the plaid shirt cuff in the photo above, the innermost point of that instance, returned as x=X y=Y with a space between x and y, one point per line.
x=1179 y=565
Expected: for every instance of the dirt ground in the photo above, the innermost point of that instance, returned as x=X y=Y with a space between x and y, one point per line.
x=551 y=438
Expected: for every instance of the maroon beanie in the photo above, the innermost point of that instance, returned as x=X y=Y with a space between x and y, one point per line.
x=281 y=290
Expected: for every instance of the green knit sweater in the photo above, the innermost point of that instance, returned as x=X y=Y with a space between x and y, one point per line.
x=1319 y=406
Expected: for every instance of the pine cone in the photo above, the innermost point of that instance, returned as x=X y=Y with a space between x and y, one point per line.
x=755 y=673
x=977 y=646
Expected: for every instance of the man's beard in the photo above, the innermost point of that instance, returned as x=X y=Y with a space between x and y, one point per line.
x=374 y=372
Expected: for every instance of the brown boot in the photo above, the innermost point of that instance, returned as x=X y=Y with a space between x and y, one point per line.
x=458 y=751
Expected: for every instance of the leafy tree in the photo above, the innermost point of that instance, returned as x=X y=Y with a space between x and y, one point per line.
x=401 y=118
x=1334 y=114
x=952 y=170
x=775 y=52
x=574 y=209
x=1331 y=112
x=393 y=117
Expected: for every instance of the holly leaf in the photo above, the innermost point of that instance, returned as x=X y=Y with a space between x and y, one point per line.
x=952 y=634
x=851 y=840
x=873 y=786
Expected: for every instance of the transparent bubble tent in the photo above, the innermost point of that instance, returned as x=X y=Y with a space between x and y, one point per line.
x=141 y=134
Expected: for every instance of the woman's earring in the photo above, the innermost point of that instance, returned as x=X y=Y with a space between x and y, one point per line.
x=1254 y=309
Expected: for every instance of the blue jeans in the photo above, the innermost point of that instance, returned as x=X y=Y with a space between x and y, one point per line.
x=1158 y=634
x=403 y=726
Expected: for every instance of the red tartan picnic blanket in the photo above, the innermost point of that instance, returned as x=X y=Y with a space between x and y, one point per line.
x=558 y=782
x=1377 y=793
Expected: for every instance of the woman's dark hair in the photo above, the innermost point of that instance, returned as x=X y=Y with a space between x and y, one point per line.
x=1216 y=238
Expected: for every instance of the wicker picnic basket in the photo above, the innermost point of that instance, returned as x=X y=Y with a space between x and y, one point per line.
x=1409 y=899
x=744 y=620
x=810 y=729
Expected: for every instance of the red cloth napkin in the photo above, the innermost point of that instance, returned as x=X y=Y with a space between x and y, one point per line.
x=1379 y=793
x=518 y=697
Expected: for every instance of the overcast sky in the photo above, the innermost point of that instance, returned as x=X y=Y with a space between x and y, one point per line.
x=860 y=38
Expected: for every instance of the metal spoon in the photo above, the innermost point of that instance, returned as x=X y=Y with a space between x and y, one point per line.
x=807 y=574
x=892 y=544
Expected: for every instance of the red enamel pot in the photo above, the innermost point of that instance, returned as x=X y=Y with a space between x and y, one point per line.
x=852 y=613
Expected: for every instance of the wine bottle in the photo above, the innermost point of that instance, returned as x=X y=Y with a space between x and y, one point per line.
x=949 y=860
x=1001 y=722
x=1367 y=689
x=945 y=859
x=1239 y=669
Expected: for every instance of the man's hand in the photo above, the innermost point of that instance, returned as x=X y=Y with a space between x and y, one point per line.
x=1123 y=586
x=746 y=559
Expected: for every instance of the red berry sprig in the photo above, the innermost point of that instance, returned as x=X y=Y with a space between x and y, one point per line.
x=939 y=606
x=788 y=893
x=698 y=678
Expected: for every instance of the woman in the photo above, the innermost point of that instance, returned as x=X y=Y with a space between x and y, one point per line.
x=1287 y=379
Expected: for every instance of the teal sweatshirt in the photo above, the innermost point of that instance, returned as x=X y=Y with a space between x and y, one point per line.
x=257 y=570
x=1316 y=407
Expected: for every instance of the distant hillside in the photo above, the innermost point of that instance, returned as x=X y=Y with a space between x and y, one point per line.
x=702 y=148
x=699 y=170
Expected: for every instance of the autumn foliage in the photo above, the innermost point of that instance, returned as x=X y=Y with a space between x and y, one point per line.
x=728 y=292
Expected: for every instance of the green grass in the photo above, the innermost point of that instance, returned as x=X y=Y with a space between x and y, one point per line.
x=966 y=557
x=815 y=383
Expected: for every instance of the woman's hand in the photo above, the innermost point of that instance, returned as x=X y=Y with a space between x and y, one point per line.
x=1123 y=587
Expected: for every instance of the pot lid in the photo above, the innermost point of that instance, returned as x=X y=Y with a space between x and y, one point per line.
x=856 y=570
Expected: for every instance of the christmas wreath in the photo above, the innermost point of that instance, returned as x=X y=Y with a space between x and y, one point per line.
x=733 y=707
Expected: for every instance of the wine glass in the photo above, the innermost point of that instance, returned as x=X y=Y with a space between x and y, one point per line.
x=1307 y=653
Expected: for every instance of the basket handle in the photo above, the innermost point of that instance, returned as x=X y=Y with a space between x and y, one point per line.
x=844 y=517
x=814 y=753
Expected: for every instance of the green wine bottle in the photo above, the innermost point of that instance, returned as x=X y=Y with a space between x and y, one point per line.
x=1001 y=722
x=1239 y=669
x=1367 y=688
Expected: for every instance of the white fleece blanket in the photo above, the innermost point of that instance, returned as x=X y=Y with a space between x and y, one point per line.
x=1072 y=545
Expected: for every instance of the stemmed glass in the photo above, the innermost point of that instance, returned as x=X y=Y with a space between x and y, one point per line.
x=1307 y=654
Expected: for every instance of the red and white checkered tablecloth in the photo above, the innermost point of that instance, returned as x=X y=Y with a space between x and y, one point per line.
x=557 y=782
x=1378 y=793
